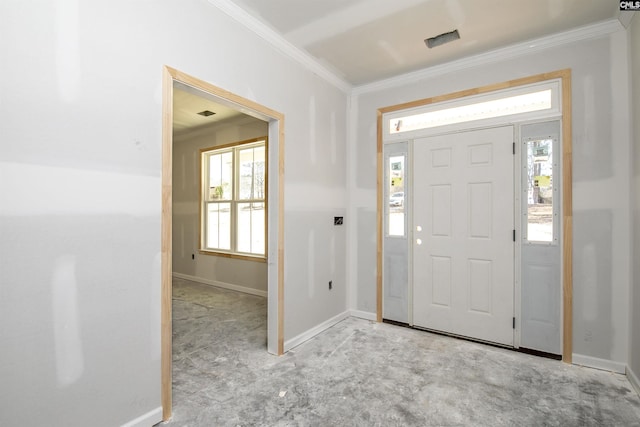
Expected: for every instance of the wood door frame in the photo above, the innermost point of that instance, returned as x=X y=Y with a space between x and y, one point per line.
x=567 y=181
x=276 y=119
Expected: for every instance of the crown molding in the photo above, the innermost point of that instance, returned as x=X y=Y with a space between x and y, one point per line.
x=516 y=50
x=625 y=17
x=277 y=41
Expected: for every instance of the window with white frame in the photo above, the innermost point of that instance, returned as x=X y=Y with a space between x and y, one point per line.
x=538 y=100
x=234 y=184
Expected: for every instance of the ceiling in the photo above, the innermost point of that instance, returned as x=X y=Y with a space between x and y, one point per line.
x=188 y=102
x=362 y=41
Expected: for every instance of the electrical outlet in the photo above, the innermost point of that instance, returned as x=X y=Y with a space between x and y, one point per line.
x=330 y=284
x=193 y=256
x=338 y=220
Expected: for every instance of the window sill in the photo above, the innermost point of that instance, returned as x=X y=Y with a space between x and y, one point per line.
x=255 y=258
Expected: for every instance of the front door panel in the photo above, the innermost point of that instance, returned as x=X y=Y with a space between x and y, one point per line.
x=463 y=248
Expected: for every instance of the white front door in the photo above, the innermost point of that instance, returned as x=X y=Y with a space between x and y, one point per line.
x=463 y=246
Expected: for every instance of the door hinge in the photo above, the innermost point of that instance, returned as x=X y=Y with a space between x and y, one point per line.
x=514 y=235
x=514 y=148
x=514 y=323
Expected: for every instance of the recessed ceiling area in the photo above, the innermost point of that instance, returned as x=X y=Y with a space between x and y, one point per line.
x=363 y=41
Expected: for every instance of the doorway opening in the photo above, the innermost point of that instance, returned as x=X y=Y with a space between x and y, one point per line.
x=274 y=223
x=432 y=128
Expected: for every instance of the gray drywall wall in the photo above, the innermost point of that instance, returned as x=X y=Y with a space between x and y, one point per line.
x=186 y=206
x=634 y=343
x=601 y=176
x=80 y=191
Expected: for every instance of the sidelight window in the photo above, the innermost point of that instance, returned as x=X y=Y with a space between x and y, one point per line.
x=396 y=196
x=541 y=191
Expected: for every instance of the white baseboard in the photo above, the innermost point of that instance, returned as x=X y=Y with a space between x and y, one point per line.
x=307 y=335
x=363 y=315
x=633 y=379
x=223 y=285
x=594 y=362
x=149 y=419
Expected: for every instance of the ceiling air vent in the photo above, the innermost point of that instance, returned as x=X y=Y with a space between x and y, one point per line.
x=442 y=39
x=206 y=113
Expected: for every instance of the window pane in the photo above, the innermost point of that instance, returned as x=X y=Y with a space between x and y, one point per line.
x=396 y=196
x=231 y=175
x=218 y=226
x=252 y=173
x=250 y=235
x=518 y=104
x=540 y=190
x=220 y=176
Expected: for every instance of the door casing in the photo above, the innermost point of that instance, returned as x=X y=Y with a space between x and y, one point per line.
x=566 y=198
x=275 y=245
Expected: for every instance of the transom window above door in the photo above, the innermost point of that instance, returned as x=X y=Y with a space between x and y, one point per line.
x=535 y=101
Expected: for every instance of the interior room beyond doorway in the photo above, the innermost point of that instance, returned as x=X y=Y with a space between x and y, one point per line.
x=274 y=223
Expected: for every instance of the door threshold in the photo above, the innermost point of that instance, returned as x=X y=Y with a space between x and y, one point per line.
x=463 y=337
x=395 y=322
x=539 y=353
x=532 y=352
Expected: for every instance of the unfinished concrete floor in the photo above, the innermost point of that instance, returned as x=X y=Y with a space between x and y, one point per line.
x=361 y=373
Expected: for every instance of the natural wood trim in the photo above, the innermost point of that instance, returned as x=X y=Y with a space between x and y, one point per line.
x=169 y=76
x=567 y=220
x=475 y=91
x=567 y=185
x=166 y=243
x=221 y=93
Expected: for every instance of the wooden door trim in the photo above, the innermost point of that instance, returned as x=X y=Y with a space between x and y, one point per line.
x=171 y=75
x=567 y=182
